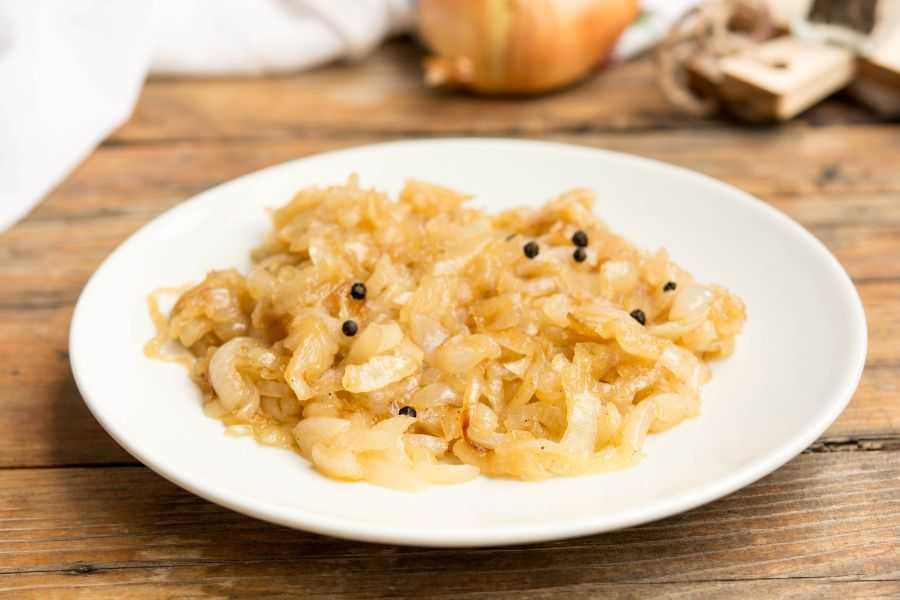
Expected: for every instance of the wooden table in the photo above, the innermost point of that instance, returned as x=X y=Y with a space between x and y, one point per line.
x=79 y=517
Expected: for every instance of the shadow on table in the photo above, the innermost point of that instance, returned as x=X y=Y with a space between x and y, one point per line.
x=76 y=436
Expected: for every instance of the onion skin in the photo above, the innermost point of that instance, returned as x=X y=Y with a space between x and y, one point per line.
x=518 y=46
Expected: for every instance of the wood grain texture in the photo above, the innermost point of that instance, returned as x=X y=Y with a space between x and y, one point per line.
x=816 y=526
x=259 y=582
x=384 y=95
x=79 y=519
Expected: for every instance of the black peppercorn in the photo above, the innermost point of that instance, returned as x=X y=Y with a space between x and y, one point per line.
x=408 y=411
x=358 y=291
x=639 y=316
x=580 y=239
x=531 y=249
x=349 y=328
x=579 y=255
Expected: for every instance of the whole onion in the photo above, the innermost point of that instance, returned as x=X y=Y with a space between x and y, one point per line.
x=518 y=46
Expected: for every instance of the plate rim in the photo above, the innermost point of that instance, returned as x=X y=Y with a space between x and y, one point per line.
x=505 y=534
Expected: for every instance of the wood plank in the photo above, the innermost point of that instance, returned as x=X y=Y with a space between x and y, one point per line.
x=385 y=94
x=793 y=159
x=257 y=581
x=823 y=517
x=847 y=178
x=863 y=232
x=847 y=200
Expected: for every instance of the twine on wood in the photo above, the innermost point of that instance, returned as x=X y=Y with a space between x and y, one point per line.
x=712 y=30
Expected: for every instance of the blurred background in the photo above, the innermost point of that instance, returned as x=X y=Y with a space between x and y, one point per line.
x=74 y=70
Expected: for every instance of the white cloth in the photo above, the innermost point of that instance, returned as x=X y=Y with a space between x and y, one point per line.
x=71 y=70
x=247 y=37
x=69 y=73
x=657 y=16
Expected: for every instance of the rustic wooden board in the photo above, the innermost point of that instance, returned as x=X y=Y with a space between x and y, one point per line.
x=224 y=582
x=258 y=581
x=825 y=525
x=385 y=95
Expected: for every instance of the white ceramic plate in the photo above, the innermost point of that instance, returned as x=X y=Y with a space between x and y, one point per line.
x=796 y=366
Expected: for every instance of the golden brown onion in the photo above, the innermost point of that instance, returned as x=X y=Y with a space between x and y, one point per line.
x=518 y=46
